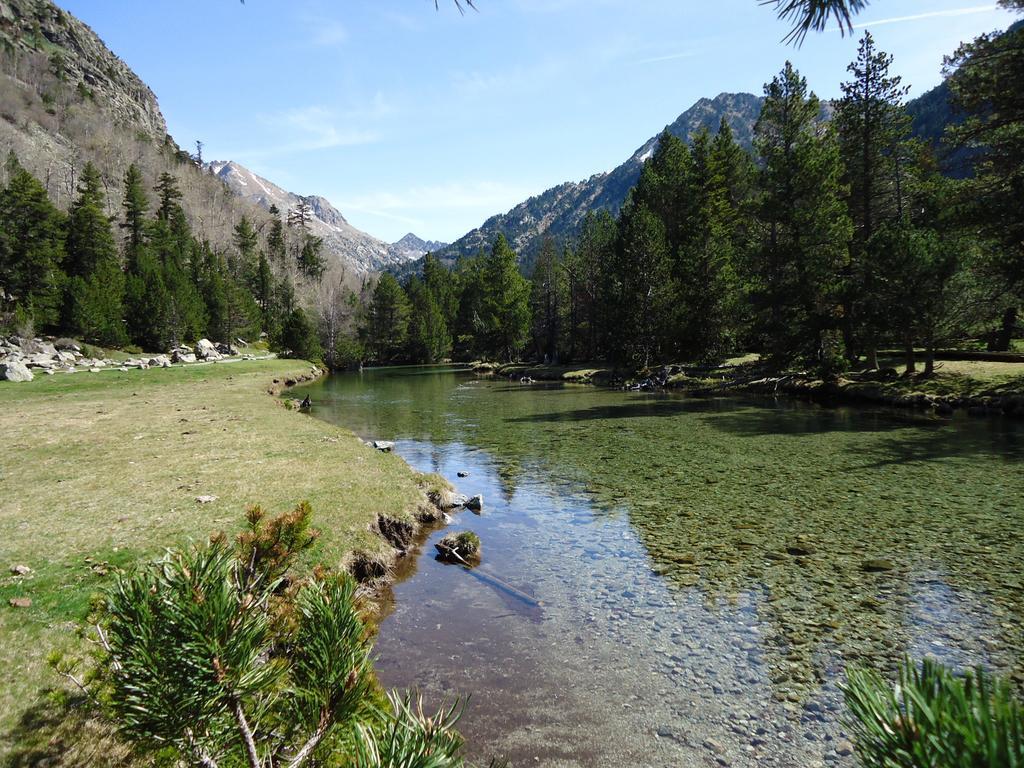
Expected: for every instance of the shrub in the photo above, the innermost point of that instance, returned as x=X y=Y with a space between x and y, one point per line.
x=934 y=719
x=221 y=655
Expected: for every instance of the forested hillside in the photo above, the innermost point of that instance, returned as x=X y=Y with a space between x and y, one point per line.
x=814 y=242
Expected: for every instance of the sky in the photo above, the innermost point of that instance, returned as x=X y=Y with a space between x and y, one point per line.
x=413 y=119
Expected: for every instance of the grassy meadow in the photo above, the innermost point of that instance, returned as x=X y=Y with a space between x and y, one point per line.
x=99 y=470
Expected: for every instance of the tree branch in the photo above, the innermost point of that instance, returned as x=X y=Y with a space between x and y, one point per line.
x=314 y=740
x=246 y=731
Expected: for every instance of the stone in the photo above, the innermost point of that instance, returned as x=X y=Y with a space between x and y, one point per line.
x=205 y=499
x=384 y=445
x=13 y=370
x=877 y=566
x=844 y=748
x=20 y=570
x=94 y=369
x=160 y=361
x=462 y=474
x=475 y=503
x=714 y=746
x=177 y=356
x=206 y=350
x=21 y=602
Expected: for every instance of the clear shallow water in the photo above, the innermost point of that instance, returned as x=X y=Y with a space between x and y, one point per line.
x=705 y=568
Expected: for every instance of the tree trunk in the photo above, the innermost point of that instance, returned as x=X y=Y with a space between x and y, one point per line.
x=872 y=356
x=909 y=356
x=1005 y=335
x=929 y=357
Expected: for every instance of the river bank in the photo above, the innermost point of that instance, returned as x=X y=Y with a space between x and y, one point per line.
x=980 y=387
x=101 y=472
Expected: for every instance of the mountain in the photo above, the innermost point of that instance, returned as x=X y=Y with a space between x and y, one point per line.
x=349 y=245
x=66 y=99
x=412 y=247
x=558 y=212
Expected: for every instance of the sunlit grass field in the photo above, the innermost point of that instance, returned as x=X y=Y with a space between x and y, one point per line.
x=99 y=470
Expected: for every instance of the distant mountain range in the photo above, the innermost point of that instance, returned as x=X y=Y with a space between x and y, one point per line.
x=352 y=246
x=558 y=212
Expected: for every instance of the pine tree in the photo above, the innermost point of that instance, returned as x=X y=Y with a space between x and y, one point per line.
x=169 y=195
x=429 y=338
x=299 y=338
x=135 y=207
x=547 y=303
x=94 y=299
x=311 y=260
x=873 y=128
x=31 y=249
x=505 y=305
x=387 y=319
x=587 y=269
x=277 y=249
x=804 y=221
x=641 y=291
x=705 y=271
x=443 y=286
x=246 y=242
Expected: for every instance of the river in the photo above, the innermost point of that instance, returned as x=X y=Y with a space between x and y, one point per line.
x=698 y=572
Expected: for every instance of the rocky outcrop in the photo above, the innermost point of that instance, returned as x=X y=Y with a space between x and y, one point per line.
x=20 y=357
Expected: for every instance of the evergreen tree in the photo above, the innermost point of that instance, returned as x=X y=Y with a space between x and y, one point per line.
x=146 y=301
x=311 y=260
x=429 y=338
x=135 y=207
x=505 y=305
x=277 y=249
x=707 y=287
x=443 y=286
x=986 y=81
x=94 y=299
x=299 y=337
x=246 y=242
x=641 y=287
x=169 y=195
x=31 y=249
x=873 y=128
x=586 y=266
x=804 y=222
x=547 y=302
x=388 y=319
x=264 y=291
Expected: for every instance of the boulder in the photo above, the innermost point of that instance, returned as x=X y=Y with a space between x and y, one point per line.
x=160 y=361
x=20 y=570
x=384 y=445
x=227 y=349
x=20 y=602
x=177 y=356
x=205 y=499
x=462 y=474
x=462 y=547
x=13 y=370
x=65 y=356
x=206 y=350
x=67 y=345
x=475 y=504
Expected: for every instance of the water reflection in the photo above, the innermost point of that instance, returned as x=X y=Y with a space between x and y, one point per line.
x=706 y=567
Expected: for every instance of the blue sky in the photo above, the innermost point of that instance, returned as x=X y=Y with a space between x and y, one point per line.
x=411 y=119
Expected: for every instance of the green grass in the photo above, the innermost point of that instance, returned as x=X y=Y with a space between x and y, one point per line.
x=100 y=470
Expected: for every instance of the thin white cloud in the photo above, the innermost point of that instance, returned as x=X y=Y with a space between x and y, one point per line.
x=309 y=129
x=667 y=57
x=928 y=15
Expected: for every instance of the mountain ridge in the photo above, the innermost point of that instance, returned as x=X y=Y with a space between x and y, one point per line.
x=558 y=211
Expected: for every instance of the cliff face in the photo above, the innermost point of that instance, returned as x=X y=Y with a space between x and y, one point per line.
x=79 y=59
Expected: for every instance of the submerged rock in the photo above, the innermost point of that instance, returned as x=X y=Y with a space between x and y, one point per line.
x=475 y=503
x=877 y=566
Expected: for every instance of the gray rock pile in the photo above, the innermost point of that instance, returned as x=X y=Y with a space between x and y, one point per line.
x=21 y=359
